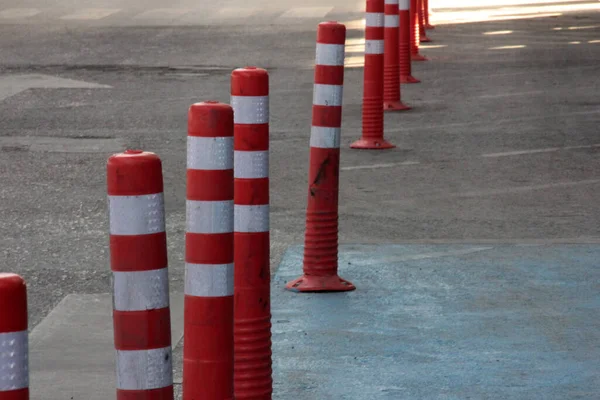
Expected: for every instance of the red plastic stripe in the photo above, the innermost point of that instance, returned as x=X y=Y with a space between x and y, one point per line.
x=165 y=393
x=213 y=187
x=375 y=6
x=134 y=173
x=252 y=191
x=208 y=248
x=142 y=330
x=329 y=74
x=251 y=137
x=21 y=394
x=13 y=303
x=208 y=348
x=138 y=252
x=327 y=116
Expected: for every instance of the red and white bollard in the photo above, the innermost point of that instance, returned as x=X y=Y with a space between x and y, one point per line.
x=14 y=339
x=427 y=24
x=208 y=315
x=391 y=68
x=405 y=44
x=414 y=32
x=422 y=33
x=321 y=240
x=372 y=110
x=252 y=293
x=138 y=255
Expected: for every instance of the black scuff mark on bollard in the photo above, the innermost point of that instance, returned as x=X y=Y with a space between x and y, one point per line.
x=320 y=176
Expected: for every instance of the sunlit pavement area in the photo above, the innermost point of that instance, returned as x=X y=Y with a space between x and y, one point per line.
x=500 y=153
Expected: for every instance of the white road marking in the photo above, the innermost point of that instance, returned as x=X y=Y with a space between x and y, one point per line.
x=518 y=46
x=231 y=12
x=307 y=12
x=594 y=41
x=487 y=122
x=495 y=96
x=498 y=33
x=522 y=189
x=16 y=13
x=14 y=84
x=90 y=14
x=433 y=46
x=161 y=14
x=537 y=151
x=48 y=144
x=378 y=166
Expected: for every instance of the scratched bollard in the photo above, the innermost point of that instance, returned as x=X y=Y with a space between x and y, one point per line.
x=138 y=257
x=320 y=264
x=252 y=293
x=14 y=341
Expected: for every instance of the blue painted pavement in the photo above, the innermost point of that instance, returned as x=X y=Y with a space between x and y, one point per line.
x=443 y=322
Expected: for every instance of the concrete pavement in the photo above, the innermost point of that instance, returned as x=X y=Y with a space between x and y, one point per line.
x=501 y=146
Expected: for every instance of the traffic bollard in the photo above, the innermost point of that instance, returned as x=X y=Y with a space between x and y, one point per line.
x=392 y=100
x=372 y=110
x=320 y=267
x=208 y=311
x=14 y=339
x=138 y=255
x=252 y=310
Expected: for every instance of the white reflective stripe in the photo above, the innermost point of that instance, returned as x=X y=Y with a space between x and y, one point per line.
x=391 y=1
x=250 y=109
x=141 y=290
x=330 y=54
x=252 y=218
x=251 y=164
x=209 y=216
x=136 y=215
x=374 y=20
x=14 y=365
x=144 y=369
x=209 y=153
x=209 y=280
x=392 y=21
x=374 y=47
x=324 y=137
x=327 y=95
x=404 y=4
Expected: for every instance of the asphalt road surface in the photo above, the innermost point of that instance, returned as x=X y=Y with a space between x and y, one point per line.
x=502 y=144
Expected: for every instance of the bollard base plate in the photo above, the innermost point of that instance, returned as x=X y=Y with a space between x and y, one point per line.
x=429 y=26
x=372 y=144
x=395 y=106
x=424 y=39
x=312 y=283
x=409 y=79
x=418 y=57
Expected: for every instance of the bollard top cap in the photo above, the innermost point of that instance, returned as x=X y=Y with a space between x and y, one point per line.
x=13 y=303
x=134 y=173
x=210 y=119
x=250 y=81
x=331 y=33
